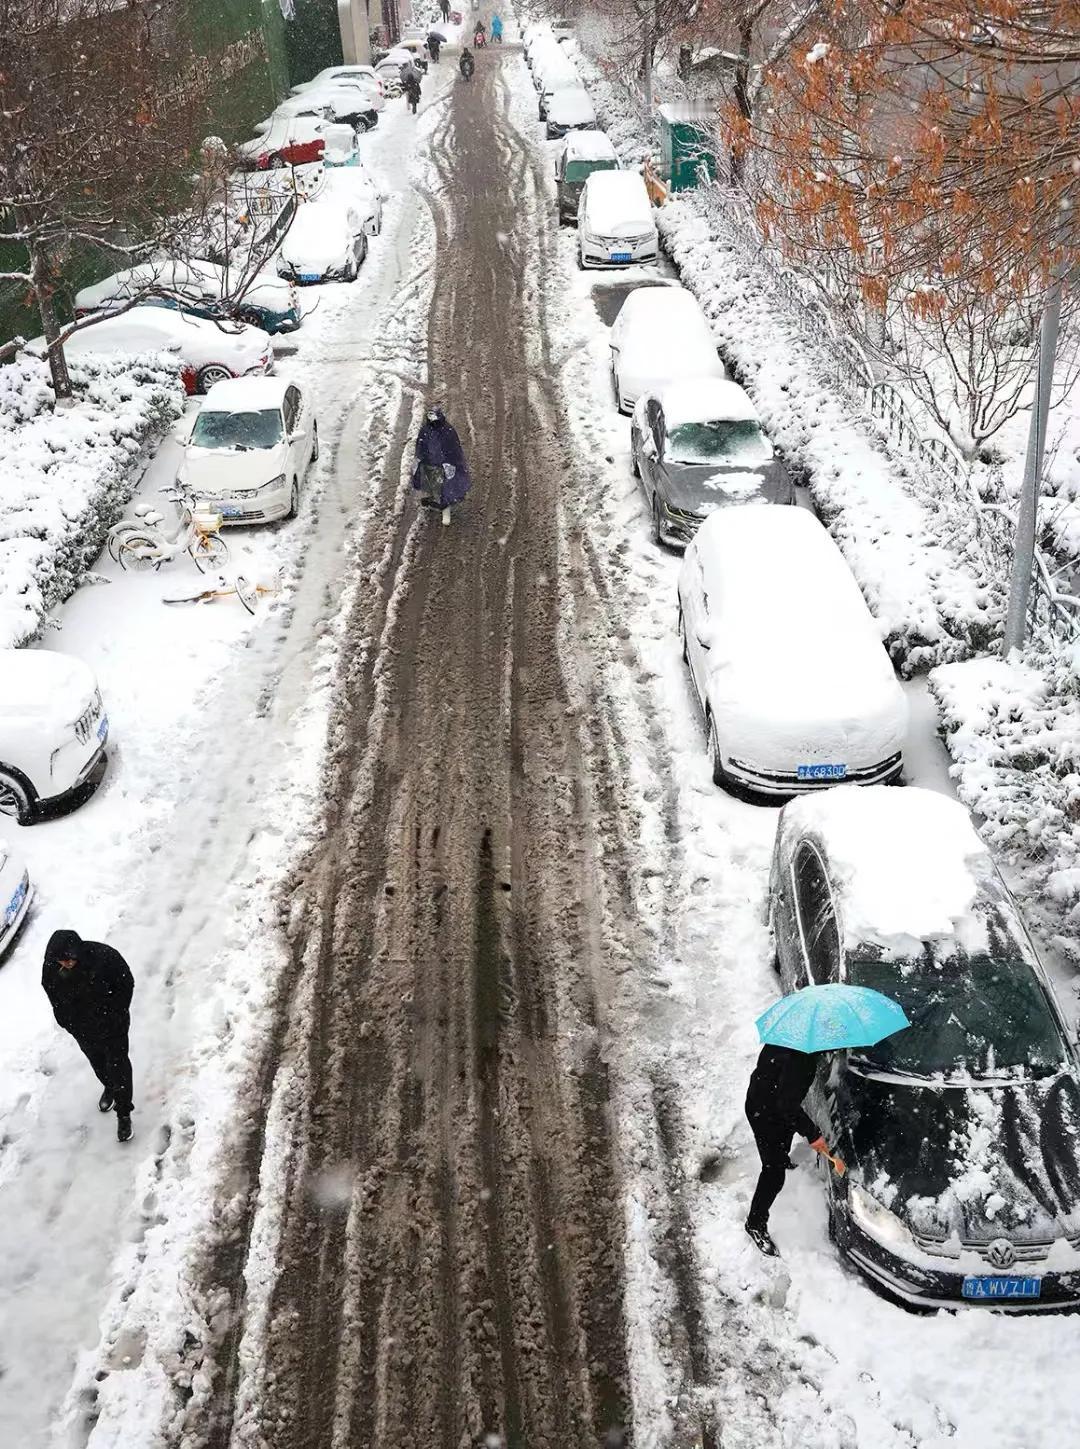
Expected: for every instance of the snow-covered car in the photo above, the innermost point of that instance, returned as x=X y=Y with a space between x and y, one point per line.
x=358 y=75
x=53 y=732
x=344 y=104
x=660 y=336
x=249 y=450
x=389 y=72
x=357 y=188
x=287 y=141
x=556 y=78
x=414 y=46
x=569 y=110
x=207 y=352
x=698 y=446
x=961 y=1134
x=582 y=153
x=199 y=287
x=326 y=242
x=615 y=221
x=796 y=687
x=16 y=893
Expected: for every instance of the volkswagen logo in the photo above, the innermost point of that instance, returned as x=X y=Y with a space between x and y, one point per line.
x=1001 y=1253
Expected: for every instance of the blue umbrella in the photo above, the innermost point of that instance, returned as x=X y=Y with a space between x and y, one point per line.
x=823 y=1018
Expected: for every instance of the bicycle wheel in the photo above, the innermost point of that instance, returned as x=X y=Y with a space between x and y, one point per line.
x=210 y=552
x=118 y=533
x=247 y=593
x=139 y=553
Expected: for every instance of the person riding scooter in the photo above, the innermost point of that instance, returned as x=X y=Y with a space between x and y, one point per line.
x=466 y=64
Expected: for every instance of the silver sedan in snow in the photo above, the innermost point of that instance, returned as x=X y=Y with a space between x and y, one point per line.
x=698 y=446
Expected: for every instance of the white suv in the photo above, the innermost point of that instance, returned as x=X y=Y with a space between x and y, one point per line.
x=53 y=732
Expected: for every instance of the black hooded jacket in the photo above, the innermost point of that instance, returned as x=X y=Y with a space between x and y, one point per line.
x=92 y=999
x=777 y=1087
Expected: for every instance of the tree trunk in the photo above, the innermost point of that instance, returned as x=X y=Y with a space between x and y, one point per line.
x=742 y=92
x=686 y=56
x=647 y=64
x=42 y=284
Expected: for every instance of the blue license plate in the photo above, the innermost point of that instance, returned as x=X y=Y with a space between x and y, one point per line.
x=618 y=256
x=997 y=1288
x=103 y=727
x=231 y=512
x=310 y=276
x=15 y=904
x=821 y=772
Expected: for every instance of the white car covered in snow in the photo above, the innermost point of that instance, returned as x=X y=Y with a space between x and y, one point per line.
x=208 y=352
x=262 y=300
x=569 y=110
x=796 y=687
x=53 y=732
x=249 y=450
x=16 y=893
x=615 y=221
x=362 y=76
x=357 y=188
x=327 y=242
x=660 y=336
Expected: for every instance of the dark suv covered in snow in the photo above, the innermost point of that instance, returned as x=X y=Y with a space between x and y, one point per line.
x=961 y=1133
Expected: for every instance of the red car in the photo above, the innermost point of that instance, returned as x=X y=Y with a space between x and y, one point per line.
x=290 y=141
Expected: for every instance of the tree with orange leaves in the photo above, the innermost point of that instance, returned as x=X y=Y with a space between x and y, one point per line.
x=923 y=156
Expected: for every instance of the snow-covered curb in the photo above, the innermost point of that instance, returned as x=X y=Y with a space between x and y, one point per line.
x=65 y=473
x=1013 y=730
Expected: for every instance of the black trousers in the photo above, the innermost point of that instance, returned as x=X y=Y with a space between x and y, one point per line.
x=773 y=1145
x=108 y=1055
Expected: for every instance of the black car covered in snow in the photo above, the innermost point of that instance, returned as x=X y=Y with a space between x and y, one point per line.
x=961 y=1133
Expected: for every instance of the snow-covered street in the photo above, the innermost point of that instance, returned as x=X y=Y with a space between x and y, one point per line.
x=447 y=949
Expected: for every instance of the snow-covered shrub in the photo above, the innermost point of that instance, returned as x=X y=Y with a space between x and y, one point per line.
x=1013 y=730
x=65 y=474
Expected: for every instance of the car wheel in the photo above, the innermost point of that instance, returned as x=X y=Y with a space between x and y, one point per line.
x=314 y=441
x=211 y=373
x=681 y=627
x=657 y=521
x=635 y=466
x=294 y=499
x=250 y=316
x=618 y=392
x=349 y=274
x=714 y=753
x=276 y=162
x=17 y=798
x=363 y=247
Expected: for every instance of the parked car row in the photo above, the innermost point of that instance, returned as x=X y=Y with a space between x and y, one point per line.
x=563 y=102
x=961 y=1134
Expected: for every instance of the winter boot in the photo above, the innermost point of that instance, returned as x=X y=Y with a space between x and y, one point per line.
x=123 y=1128
x=105 y=1101
x=759 y=1236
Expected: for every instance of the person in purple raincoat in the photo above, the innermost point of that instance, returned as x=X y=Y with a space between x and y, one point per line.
x=441 y=473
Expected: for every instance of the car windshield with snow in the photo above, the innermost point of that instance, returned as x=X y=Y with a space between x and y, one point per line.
x=698 y=446
x=788 y=664
x=261 y=429
x=961 y=1132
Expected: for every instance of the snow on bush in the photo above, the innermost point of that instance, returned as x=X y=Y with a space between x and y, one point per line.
x=65 y=473
x=1013 y=730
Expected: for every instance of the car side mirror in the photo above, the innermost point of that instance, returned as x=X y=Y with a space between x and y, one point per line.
x=298 y=436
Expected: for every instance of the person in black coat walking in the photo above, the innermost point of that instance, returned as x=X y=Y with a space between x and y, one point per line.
x=774 y=1109
x=89 y=987
x=444 y=10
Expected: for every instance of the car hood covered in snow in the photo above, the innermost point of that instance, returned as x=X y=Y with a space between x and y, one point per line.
x=209 y=471
x=318 y=239
x=42 y=685
x=617 y=205
x=968 y=1163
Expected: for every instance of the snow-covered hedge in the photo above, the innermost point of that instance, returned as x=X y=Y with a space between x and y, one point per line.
x=65 y=473
x=1013 y=731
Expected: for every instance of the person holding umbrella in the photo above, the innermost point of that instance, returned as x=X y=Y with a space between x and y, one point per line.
x=796 y=1032
x=434 y=41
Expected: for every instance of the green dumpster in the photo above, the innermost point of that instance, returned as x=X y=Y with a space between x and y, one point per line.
x=684 y=134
